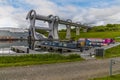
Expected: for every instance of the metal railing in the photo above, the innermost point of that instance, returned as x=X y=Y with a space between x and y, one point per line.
x=114 y=67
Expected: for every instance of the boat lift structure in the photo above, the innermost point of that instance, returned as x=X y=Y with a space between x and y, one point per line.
x=53 y=22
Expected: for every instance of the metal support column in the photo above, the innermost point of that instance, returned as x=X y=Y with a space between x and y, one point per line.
x=112 y=62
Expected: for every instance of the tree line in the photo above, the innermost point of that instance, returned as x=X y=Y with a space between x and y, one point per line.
x=101 y=28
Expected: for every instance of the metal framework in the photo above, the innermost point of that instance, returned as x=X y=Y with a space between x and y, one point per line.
x=53 y=22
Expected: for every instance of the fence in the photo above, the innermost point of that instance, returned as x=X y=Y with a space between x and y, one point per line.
x=114 y=67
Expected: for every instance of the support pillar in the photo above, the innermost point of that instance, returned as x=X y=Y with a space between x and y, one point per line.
x=68 y=33
x=85 y=30
x=56 y=27
x=77 y=30
x=32 y=24
x=53 y=25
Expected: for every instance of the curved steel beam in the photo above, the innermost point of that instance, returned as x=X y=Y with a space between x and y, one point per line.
x=29 y=15
x=32 y=16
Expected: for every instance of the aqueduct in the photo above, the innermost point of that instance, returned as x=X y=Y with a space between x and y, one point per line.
x=53 y=22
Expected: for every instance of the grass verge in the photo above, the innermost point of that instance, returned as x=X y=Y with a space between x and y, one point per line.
x=33 y=59
x=112 y=52
x=92 y=35
x=115 y=77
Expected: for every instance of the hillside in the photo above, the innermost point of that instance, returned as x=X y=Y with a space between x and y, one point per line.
x=106 y=31
x=112 y=34
x=108 y=27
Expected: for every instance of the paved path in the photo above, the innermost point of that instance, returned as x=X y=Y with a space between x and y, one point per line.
x=111 y=45
x=62 y=71
x=86 y=54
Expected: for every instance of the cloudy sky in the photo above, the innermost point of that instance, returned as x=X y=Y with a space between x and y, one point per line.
x=92 y=12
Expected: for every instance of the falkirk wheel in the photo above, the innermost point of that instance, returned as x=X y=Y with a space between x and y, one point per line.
x=53 y=22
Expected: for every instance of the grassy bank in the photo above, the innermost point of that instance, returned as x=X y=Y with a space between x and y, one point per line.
x=115 y=77
x=112 y=52
x=33 y=59
x=93 y=35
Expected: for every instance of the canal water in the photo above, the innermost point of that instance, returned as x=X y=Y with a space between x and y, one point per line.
x=6 y=45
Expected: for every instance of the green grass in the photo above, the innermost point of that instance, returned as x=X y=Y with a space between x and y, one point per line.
x=115 y=77
x=33 y=59
x=112 y=52
x=93 y=35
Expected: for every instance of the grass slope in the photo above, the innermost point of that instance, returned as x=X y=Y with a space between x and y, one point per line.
x=33 y=59
x=112 y=52
x=92 y=35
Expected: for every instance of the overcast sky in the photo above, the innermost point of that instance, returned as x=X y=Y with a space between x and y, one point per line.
x=95 y=12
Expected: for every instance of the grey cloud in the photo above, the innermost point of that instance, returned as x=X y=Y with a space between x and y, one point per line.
x=92 y=16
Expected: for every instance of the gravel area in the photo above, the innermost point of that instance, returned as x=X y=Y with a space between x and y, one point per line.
x=61 y=71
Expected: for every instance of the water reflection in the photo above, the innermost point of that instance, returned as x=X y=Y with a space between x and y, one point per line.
x=8 y=44
x=32 y=45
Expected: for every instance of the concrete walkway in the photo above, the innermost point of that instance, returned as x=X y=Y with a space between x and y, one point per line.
x=87 y=54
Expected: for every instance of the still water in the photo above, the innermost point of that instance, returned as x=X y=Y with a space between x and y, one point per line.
x=6 y=45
